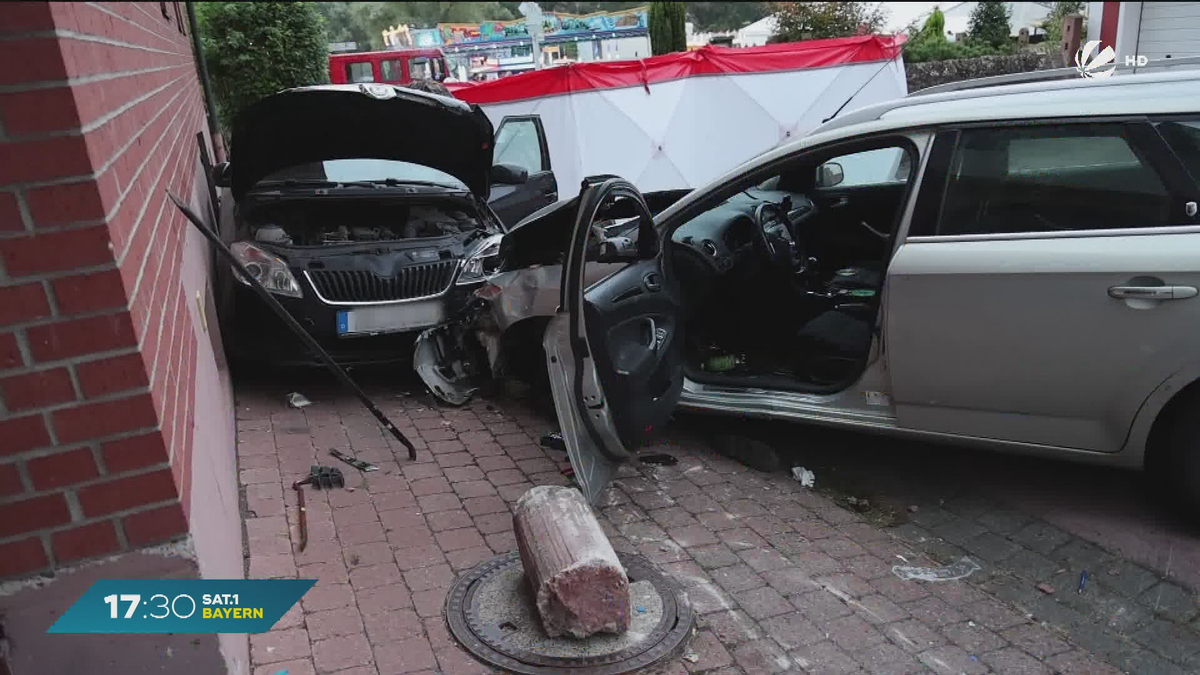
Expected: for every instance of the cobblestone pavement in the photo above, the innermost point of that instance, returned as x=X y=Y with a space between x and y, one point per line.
x=783 y=579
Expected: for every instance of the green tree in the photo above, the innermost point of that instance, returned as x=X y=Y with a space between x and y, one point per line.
x=1053 y=23
x=584 y=7
x=254 y=49
x=929 y=43
x=668 y=32
x=342 y=23
x=817 y=20
x=364 y=22
x=989 y=24
x=719 y=16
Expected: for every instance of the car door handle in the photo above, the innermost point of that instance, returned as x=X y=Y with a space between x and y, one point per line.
x=653 y=346
x=1152 y=292
x=840 y=202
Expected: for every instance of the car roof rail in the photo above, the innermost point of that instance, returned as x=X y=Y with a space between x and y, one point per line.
x=1157 y=65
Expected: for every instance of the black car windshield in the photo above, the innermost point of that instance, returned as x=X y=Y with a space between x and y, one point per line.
x=364 y=170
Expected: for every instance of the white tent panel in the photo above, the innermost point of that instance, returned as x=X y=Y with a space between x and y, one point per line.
x=686 y=130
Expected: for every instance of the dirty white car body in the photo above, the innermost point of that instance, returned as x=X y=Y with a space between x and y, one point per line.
x=1067 y=342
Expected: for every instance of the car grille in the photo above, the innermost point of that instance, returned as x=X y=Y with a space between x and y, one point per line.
x=417 y=281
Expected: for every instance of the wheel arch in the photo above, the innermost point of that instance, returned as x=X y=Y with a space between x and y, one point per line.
x=1147 y=437
x=1155 y=448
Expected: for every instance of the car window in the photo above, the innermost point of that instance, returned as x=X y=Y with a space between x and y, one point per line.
x=1052 y=178
x=872 y=167
x=347 y=170
x=1184 y=138
x=419 y=69
x=393 y=70
x=359 y=71
x=517 y=143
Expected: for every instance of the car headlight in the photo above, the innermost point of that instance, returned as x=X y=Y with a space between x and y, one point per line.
x=483 y=264
x=267 y=269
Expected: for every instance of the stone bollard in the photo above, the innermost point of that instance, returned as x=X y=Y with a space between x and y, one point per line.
x=579 y=583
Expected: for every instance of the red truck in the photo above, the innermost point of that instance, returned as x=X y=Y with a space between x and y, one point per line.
x=395 y=66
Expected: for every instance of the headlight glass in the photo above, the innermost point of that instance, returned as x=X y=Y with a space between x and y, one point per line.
x=267 y=269
x=483 y=263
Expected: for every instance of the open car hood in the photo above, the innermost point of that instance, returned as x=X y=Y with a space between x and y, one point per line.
x=356 y=121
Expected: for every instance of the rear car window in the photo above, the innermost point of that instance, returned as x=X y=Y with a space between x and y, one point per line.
x=420 y=69
x=393 y=70
x=359 y=72
x=1184 y=139
x=1048 y=179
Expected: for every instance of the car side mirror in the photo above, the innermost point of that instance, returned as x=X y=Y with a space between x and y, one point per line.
x=829 y=174
x=509 y=174
x=221 y=175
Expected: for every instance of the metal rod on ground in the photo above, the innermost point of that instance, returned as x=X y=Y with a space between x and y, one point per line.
x=297 y=486
x=296 y=328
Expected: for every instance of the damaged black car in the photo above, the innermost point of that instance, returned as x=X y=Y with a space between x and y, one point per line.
x=364 y=209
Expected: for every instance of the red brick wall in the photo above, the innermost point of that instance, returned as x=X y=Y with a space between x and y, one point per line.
x=99 y=110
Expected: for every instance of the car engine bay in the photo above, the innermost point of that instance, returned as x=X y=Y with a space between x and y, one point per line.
x=327 y=220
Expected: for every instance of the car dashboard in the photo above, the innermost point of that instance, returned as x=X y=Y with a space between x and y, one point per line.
x=724 y=236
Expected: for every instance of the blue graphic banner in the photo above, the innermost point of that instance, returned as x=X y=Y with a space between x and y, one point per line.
x=182 y=606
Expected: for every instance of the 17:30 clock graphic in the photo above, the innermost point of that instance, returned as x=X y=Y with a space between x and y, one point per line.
x=181 y=606
x=167 y=606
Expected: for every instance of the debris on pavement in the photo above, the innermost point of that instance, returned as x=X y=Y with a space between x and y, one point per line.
x=959 y=570
x=321 y=478
x=580 y=585
x=691 y=657
x=859 y=504
x=1045 y=588
x=1083 y=579
x=803 y=476
x=913 y=508
x=554 y=441
x=660 y=459
x=324 y=477
x=356 y=463
x=297 y=400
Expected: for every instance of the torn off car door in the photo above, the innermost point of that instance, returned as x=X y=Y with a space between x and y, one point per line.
x=614 y=349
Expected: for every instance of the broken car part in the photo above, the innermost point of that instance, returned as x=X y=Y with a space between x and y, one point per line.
x=449 y=363
x=356 y=463
x=296 y=328
x=554 y=441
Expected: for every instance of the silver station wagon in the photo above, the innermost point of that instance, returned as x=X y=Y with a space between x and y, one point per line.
x=1014 y=267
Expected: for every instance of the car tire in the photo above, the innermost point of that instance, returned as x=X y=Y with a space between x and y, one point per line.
x=1180 y=469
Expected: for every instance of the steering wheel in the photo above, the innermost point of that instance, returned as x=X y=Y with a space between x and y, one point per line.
x=775 y=238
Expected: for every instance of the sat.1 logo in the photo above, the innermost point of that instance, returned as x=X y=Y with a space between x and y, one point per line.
x=1092 y=64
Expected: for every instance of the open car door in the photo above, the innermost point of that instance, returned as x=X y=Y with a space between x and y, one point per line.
x=614 y=351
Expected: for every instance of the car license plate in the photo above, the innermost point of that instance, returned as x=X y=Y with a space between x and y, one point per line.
x=389 y=318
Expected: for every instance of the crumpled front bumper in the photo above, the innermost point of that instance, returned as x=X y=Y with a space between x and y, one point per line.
x=456 y=359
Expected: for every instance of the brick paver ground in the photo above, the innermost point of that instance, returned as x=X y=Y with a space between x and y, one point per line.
x=783 y=580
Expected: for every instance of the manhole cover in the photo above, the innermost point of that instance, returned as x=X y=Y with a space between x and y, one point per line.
x=491 y=611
